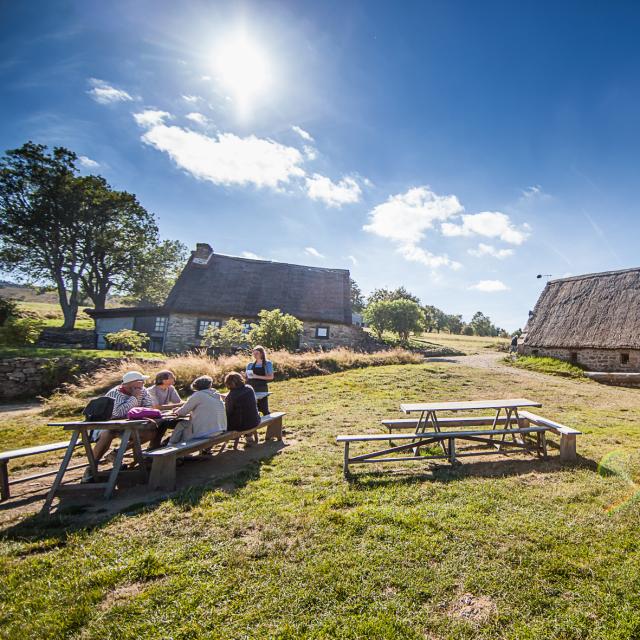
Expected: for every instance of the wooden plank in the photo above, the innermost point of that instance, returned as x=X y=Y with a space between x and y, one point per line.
x=32 y=451
x=117 y=464
x=470 y=405
x=434 y=434
x=554 y=426
x=5 y=492
x=61 y=471
x=106 y=425
x=412 y=423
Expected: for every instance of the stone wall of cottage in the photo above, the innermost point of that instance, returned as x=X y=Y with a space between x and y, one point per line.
x=181 y=334
x=591 y=359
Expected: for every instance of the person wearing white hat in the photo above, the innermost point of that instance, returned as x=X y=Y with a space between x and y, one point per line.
x=131 y=393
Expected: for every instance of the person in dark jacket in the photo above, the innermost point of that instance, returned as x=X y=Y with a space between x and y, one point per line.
x=240 y=404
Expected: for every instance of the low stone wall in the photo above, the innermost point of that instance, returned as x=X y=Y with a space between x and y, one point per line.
x=58 y=338
x=22 y=378
x=590 y=359
x=340 y=335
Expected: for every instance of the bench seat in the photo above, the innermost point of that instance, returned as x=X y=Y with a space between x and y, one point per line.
x=163 y=465
x=6 y=456
x=412 y=423
x=567 y=434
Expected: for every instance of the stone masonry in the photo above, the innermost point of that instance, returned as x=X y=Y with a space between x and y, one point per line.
x=590 y=359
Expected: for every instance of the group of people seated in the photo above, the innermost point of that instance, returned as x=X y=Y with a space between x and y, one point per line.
x=205 y=413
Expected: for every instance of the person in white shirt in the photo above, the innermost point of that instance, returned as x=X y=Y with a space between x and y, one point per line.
x=206 y=410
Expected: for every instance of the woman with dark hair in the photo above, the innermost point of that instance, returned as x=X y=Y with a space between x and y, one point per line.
x=207 y=411
x=163 y=393
x=240 y=404
x=258 y=373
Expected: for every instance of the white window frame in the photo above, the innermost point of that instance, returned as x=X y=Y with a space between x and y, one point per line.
x=204 y=324
x=162 y=321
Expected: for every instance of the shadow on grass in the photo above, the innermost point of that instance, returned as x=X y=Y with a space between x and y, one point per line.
x=445 y=473
x=72 y=516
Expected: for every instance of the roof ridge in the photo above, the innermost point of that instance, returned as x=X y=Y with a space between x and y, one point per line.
x=287 y=264
x=598 y=274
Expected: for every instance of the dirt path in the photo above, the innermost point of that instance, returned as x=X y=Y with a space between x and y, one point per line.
x=14 y=410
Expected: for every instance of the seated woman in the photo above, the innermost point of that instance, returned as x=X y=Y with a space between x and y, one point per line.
x=163 y=393
x=207 y=410
x=240 y=404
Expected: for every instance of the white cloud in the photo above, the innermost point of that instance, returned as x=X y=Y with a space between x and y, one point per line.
x=404 y=219
x=191 y=99
x=104 y=93
x=251 y=255
x=353 y=259
x=489 y=286
x=489 y=250
x=310 y=152
x=491 y=224
x=151 y=118
x=227 y=159
x=331 y=193
x=198 y=118
x=88 y=162
x=305 y=135
x=313 y=252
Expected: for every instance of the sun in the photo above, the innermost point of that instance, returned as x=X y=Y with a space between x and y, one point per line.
x=243 y=68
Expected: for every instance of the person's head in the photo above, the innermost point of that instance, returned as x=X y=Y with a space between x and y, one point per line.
x=165 y=378
x=233 y=380
x=133 y=381
x=259 y=353
x=202 y=383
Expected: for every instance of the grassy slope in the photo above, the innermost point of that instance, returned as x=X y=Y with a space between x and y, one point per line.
x=289 y=550
x=466 y=344
x=551 y=366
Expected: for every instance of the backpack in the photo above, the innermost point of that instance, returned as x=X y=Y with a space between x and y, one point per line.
x=99 y=409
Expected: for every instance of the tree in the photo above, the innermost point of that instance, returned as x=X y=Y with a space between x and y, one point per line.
x=276 y=330
x=454 y=323
x=482 y=325
x=405 y=316
x=127 y=340
x=357 y=299
x=155 y=273
x=388 y=295
x=378 y=316
x=8 y=309
x=434 y=318
x=42 y=221
x=230 y=334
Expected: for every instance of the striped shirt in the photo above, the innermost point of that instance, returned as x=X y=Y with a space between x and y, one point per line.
x=123 y=402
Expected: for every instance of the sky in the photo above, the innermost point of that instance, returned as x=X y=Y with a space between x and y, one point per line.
x=456 y=148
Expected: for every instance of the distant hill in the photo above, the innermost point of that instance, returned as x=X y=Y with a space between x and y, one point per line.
x=26 y=293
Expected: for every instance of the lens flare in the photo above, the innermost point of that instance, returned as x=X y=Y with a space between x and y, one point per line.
x=617 y=463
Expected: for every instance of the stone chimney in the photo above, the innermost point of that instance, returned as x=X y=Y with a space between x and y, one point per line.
x=202 y=254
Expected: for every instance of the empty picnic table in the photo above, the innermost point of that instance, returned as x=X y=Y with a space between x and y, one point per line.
x=129 y=430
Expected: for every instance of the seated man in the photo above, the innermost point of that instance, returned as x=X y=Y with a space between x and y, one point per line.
x=131 y=393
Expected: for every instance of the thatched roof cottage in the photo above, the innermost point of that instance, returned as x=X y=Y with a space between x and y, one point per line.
x=592 y=320
x=213 y=288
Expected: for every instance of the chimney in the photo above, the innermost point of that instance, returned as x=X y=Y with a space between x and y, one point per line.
x=202 y=254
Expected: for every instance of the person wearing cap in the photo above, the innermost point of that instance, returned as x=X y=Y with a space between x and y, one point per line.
x=131 y=393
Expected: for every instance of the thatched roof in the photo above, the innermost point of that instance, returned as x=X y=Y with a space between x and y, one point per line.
x=214 y=285
x=597 y=310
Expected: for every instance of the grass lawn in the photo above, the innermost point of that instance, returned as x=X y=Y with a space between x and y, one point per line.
x=51 y=314
x=42 y=352
x=552 y=366
x=466 y=344
x=287 y=549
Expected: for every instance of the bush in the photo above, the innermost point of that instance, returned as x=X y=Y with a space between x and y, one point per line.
x=8 y=309
x=230 y=334
x=127 y=340
x=276 y=330
x=20 y=332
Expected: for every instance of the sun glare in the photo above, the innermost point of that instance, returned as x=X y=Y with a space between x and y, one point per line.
x=243 y=69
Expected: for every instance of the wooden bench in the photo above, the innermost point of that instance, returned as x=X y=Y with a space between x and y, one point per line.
x=6 y=456
x=163 y=460
x=567 y=434
x=417 y=440
x=412 y=423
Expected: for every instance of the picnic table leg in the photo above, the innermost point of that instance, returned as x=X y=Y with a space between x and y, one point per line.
x=117 y=464
x=568 y=447
x=436 y=427
x=46 y=507
x=137 y=453
x=345 y=466
x=89 y=451
x=452 y=450
x=4 y=480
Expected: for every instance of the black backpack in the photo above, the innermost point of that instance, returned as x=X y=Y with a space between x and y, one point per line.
x=99 y=409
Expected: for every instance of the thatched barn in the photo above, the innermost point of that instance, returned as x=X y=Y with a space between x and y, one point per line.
x=213 y=288
x=592 y=320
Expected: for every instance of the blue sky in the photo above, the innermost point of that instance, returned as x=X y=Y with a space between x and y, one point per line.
x=455 y=148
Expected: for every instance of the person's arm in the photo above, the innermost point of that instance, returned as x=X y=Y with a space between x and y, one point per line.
x=145 y=399
x=188 y=406
x=268 y=370
x=174 y=396
x=122 y=404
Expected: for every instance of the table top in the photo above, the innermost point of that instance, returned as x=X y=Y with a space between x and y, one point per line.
x=107 y=425
x=469 y=405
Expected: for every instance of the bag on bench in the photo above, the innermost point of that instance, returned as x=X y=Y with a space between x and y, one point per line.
x=99 y=409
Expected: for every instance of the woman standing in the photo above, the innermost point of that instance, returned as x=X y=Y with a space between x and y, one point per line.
x=258 y=373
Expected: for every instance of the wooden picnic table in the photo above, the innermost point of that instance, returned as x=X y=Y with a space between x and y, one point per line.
x=130 y=429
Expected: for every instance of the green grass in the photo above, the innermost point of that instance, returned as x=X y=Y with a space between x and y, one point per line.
x=50 y=314
x=552 y=366
x=287 y=549
x=41 y=352
x=468 y=345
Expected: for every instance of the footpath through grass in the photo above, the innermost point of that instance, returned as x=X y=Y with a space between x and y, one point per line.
x=287 y=549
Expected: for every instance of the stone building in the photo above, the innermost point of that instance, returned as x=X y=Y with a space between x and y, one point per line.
x=213 y=288
x=592 y=320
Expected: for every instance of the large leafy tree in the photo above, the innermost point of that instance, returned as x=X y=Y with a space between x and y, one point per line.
x=405 y=316
x=378 y=295
x=377 y=315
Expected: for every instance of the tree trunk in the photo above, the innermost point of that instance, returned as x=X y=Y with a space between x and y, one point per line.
x=69 y=305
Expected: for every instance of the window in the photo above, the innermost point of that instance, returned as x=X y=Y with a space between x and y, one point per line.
x=322 y=332
x=160 y=325
x=573 y=356
x=534 y=352
x=246 y=327
x=624 y=358
x=203 y=325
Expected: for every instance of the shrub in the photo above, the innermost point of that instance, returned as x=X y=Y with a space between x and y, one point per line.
x=230 y=334
x=8 y=309
x=20 y=332
x=276 y=330
x=127 y=340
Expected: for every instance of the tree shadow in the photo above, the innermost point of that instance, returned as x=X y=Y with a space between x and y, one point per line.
x=230 y=471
